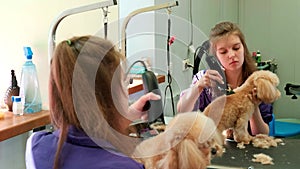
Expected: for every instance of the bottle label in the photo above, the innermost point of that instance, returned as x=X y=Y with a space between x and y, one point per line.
x=17 y=108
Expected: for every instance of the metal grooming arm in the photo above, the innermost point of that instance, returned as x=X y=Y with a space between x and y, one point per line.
x=138 y=11
x=55 y=23
x=292 y=89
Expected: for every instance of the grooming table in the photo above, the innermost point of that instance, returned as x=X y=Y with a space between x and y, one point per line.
x=285 y=156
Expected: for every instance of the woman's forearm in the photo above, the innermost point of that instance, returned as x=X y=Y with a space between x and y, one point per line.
x=188 y=99
x=258 y=126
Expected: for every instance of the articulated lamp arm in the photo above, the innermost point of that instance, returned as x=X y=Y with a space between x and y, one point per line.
x=64 y=14
x=138 y=11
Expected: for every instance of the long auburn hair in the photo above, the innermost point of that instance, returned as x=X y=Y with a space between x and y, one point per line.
x=82 y=72
x=227 y=28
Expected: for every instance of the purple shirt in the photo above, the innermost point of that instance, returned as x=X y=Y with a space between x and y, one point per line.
x=78 y=152
x=205 y=99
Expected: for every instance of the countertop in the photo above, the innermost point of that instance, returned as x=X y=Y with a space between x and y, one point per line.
x=13 y=125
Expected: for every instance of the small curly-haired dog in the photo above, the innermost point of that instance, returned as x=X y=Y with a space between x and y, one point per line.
x=235 y=110
x=189 y=141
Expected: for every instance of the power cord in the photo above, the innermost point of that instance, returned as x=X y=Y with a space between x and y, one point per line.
x=200 y=50
x=138 y=61
x=130 y=67
x=169 y=77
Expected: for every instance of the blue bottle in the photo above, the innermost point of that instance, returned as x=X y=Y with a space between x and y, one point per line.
x=29 y=85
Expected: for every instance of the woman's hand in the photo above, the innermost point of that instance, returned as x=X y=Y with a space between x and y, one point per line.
x=188 y=99
x=257 y=124
x=209 y=79
x=136 y=109
x=254 y=98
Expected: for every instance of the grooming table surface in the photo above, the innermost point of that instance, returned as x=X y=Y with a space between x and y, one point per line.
x=285 y=156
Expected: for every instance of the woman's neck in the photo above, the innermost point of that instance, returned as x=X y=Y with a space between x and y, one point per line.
x=234 y=79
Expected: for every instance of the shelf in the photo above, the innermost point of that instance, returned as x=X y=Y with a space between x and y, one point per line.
x=13 y=125
x=137 y=84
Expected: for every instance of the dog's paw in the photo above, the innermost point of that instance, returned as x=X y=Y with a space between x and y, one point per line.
x=246 y=139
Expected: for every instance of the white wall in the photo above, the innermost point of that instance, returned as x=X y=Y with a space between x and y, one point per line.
x=272 y=27
x=139 y=31
x=27 y=22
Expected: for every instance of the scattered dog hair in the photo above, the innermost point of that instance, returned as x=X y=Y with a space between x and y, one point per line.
x=263 y=159
x=265 y=141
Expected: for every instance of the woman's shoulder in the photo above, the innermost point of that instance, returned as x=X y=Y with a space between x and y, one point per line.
x=109 y=159
x=33 y=145
x=36 y=137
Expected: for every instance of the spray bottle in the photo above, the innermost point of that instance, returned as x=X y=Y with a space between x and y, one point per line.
x=29 y=85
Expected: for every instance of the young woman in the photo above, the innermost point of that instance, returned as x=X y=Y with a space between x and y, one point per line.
x=228 y=44
x=89 y=108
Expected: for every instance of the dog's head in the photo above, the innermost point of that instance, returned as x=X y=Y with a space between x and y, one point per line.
x=189 y=141
x=266 y=84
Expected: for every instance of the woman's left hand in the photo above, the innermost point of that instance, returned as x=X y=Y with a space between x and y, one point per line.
x=136 y=109
x=254 y=98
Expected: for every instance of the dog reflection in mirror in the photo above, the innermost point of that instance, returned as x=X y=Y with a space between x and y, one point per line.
x=235 y=110
x=189 y=141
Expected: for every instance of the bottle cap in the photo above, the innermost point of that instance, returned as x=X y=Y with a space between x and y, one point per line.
x=258 y=52
x=17 y=99
x=28 y=53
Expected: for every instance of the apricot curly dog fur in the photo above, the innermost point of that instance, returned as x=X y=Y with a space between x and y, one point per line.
x=189 y=141
x=235 y=110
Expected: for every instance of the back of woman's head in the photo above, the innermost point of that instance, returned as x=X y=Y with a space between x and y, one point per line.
x=80 y=86
x=77 y=65
x=224 y=29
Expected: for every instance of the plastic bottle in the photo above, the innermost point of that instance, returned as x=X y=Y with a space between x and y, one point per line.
x=258 y=58
x=17 y=106
x=13 y=90
x=29 y=85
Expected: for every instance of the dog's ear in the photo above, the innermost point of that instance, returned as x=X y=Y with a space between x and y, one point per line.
x=266 y=91
x=191 y=156
x=186 y=154
x=265 y=74
x=272 y=77
x=169 y=161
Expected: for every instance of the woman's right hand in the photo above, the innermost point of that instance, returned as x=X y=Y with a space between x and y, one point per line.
x=209 y=79
x=189 y=97
x=136 y=110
